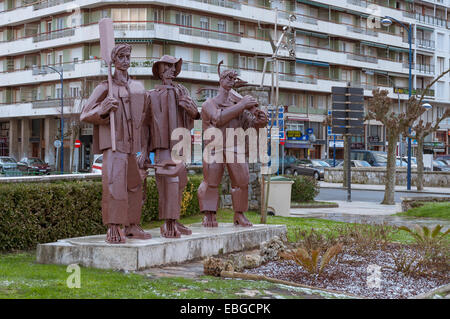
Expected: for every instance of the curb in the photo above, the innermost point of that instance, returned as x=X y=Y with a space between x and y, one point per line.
x=335 y=205
x=382 y=190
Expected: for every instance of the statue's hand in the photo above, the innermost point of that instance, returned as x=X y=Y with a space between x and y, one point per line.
x=248 y=102
x=109 y=104
x=143 y=160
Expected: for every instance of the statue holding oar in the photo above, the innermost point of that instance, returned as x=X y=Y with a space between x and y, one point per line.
x=116 y=108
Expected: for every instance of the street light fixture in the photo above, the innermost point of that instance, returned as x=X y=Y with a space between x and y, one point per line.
x=386 y=22
x=61 y=76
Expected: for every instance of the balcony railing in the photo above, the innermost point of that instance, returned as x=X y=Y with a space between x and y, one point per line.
x=133 y=26
x=66 y=67
x=418 y=91
x=359 y=30
x=54 y=35
x=49 y=3
x=362 y=58
x=425 y=68
x=427 y=44
x=431 y=20
x=305 y=49
x=216 y=35
x=52 y=103
x=300 y=18
x=298 y=78
x=222 y=3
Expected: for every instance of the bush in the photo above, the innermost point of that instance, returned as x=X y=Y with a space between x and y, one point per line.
x=304 y=189
x=32 y=213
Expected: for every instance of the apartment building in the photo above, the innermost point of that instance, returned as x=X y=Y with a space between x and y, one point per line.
x=335 y=42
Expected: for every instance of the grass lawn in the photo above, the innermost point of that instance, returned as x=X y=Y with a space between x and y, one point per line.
x=22 y=277
x=432 y=210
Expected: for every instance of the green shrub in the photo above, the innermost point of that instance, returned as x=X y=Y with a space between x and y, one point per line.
x=304 y=189
x=32 y=213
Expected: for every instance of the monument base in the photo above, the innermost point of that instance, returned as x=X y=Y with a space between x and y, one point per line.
x=93 y=251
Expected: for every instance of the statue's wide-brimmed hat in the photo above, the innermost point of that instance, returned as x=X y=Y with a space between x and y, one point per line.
x=167 y=59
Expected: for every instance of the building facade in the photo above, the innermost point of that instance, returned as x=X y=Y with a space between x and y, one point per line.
x=335 y=42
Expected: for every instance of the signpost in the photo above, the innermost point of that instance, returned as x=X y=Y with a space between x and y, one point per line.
x=278 y=123
x=347 y=118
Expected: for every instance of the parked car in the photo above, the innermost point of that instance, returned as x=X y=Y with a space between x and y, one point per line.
x=374 y=158
x=317 y=165
x=292 y=166
x=439 y=166
x=331 y=161
x=97 y=164
x=7 y=165
x=33 y=165
x=404 y=161
x=356 y=163
x=444 y=158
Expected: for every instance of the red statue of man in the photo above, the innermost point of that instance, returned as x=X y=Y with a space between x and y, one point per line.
x=122 y=196
x=168 y=107
x=227 y=110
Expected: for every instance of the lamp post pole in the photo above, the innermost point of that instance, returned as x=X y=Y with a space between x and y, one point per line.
x=389 y=20
x=61 y=76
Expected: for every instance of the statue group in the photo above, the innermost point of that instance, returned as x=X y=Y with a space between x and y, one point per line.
x=143 y=123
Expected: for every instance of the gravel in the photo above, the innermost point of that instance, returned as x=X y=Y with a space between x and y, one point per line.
x=356 y=274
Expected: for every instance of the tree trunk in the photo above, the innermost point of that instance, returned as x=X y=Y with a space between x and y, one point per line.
x=419 y=157
x=390 y=169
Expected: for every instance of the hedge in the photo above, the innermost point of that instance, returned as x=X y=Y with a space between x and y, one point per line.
x=32 y=213
x=304 y=189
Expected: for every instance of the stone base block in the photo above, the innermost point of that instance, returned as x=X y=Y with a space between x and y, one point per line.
x=93 y=251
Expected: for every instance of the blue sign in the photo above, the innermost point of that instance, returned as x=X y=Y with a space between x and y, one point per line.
x=309 y=131
x=304 y=138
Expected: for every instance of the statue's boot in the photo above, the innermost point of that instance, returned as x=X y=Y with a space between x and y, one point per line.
x=209 y=220
x=136 y=232
x=239 y=219
x=169 y=229
x=183 y=229
x=115 y=234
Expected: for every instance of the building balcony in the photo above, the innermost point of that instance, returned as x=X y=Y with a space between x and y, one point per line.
x=425 y=68
x=362 y=58
x=54 y=35
x=49 y=3
x=435 y=21
x=430 y=93
x=223 y=3
x=426 y=44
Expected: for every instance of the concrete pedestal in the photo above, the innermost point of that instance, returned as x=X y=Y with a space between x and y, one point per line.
x=93 y=251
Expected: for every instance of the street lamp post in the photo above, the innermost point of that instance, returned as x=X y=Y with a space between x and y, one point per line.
x=387 y=21
x=61 y=76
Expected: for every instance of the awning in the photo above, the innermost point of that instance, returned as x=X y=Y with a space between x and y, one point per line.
x=312 y=34
x=321 y=64
x=424 y=28
x=314 y=4
x=398 y=49
x=373 y=44
x=296 y=145
x=134 y=40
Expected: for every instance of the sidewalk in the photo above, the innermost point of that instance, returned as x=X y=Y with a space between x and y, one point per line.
x=368 y=187
x=350 y=208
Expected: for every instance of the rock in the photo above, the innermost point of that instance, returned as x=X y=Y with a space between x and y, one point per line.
x=270 y=249
x=252 y=261
x=214 y=266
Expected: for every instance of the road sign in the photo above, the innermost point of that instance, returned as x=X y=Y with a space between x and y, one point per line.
x=77 y=143
x=309 y=130
x=351 y=130
x=347 y=110
x=57 y=143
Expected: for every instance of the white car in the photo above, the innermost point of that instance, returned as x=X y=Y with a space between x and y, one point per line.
x=97 y=165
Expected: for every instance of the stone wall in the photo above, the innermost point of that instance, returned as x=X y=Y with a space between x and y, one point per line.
x=376 y=175
x=254 y=189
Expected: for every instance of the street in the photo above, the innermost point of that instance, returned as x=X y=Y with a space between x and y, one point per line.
x=331 y=194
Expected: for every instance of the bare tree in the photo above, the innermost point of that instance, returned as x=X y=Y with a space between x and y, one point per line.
x=395 y=123
x=423 y=129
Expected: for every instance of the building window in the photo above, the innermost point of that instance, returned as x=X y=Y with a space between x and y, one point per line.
x=222 y=26
x=204 y=23
x=183 y=19
x=158 y=15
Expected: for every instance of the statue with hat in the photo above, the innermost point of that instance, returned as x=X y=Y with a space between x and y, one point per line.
x=168 y=107
x=228 y=110
x=119 y=103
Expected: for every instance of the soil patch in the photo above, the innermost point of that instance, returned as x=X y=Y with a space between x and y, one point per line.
x=353 y=273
